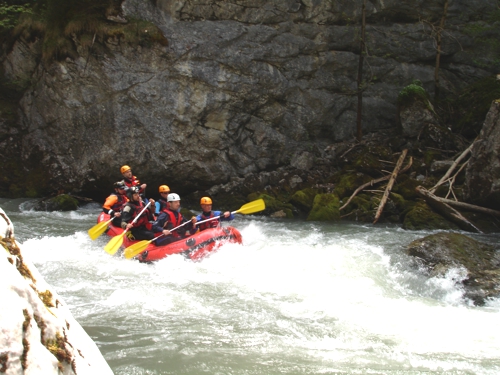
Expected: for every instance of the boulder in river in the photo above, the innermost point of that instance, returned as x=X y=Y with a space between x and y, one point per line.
x=442 y=252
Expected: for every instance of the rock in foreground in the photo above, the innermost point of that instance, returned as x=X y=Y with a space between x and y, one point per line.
x=444 y=251
x=38 y=332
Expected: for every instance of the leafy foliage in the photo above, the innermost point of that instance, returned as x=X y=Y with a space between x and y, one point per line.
x=411 y=92
x=9 y=14
x=66 y=25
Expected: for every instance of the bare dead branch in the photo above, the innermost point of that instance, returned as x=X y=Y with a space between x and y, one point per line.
x=390 y=184
x=453 y=166
x=444 y=209
x=372 y=182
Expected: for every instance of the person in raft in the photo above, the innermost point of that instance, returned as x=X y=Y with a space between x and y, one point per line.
x=207 y=213
x=131 y=180
x=141 y=229
x=169 y=218
x=164 y=190
x=115 y=202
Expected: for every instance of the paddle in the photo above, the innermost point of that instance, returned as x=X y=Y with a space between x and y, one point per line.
x=249 y=208
x=115 y=243
x=99 y=229
x=139 y=247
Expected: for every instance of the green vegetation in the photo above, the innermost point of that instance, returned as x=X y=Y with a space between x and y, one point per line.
x=422 y=217
x=304 y=198
x=325 y=208
x=413 y=91
x=9 y=15
x=68 y=28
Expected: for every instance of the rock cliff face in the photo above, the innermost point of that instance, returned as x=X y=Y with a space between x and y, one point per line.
x=242 y=87
x=483 y=170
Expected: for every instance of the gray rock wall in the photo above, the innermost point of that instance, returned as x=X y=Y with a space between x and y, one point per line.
x=483 y=170
x=242 y=87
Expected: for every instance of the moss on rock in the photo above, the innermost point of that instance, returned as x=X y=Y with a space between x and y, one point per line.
x=304 y=199
x=61 y=202
x=422 y=217
x=406 y=188
x=274 y=205
x=325 y=208
x=359 y=209
x=349 y=182
x=412 y=92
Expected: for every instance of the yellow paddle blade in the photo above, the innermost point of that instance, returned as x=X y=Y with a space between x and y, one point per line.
x=254 y=206
x=136 y=249
x=114 y=244
x=98 y=229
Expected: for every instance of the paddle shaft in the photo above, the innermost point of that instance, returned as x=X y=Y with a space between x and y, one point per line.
x=119 y=243
x=138 y=216
x=170 y=230
x=215 y=217
x=139 y=247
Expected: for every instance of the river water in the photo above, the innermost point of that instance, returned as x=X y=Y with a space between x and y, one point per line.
x=295 y=298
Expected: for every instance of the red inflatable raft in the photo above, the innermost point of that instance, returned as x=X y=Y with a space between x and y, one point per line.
x=193 y=247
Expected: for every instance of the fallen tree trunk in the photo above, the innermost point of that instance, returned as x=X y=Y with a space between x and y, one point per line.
x=390 y=184
x=446 y=210
x=373 y=182
x=470 y=207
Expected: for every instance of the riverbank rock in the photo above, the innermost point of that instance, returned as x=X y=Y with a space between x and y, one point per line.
x=39 y=334
x=229 y=91
x=442 y=252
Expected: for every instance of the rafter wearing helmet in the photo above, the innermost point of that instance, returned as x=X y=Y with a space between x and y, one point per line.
x=169 y=218
x=207 y=213
x=115 y=202
x=131 y=180
x=161 y=203
x=141 y=228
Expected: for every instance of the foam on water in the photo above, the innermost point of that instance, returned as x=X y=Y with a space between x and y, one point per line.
x=294 y=298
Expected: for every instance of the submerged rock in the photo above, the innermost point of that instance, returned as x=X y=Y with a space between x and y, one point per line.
x=443 y=251
x=61 y=202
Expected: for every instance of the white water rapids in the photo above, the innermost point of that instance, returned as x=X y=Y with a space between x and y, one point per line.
x=295 y=298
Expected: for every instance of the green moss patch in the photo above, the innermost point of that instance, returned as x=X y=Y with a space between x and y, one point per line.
x=421 y=217
x=325 y=208
x=304 y=199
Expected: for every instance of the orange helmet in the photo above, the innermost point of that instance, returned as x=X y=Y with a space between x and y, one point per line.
x=205 y=200
x=164 y=189
x=125 y=168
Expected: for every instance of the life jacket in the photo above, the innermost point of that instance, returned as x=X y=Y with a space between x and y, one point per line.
x=143 y=220
x=209 y=224
x=175 y=218
x=122 y=199
x=134 y=181
x=163 y=204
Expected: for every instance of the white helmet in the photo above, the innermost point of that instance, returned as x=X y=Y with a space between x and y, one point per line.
x=173 y=197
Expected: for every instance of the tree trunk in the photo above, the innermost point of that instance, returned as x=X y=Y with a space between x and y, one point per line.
x=446 y=211
x=360 y=73
x=437 y=84
x=389 y=185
